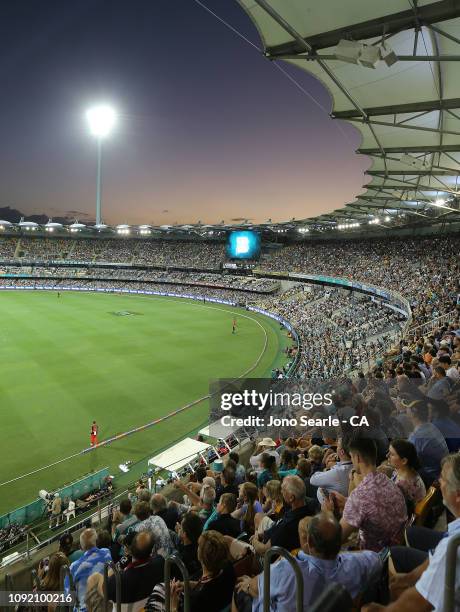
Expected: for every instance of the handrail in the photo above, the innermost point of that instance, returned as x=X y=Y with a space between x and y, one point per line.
x=436 y=322
x=451 y=571
x=282 y=552
x=170 y=560
x=9 y=582
x=117 y=574
x=65 y=528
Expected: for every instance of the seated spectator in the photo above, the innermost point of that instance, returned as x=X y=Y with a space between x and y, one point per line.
x=128 y=519
x=213 y=592
x=423 y=588
x=67 y=547
x=451 y=371
x=103 y=539
x=159 y=507
x=222 y=520
x=402 y=457
x=284 y=532
x=439 y=385
x=203 y=503
x=49 y=576
x=268 y=470
x=248 y=506
x=336 y=478
x=288 y=462
x=320 y=562
x=315 y=454
x=376 y=507
x=273 y=500
x=268 y=446
x=155 y=525
x=440 y=418
x=92 y=561
x=240 y=471
x=141 y=575
x=227 y=483
x=429 y=442
x=189 y=531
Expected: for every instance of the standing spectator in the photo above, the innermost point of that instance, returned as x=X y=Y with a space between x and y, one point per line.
x=56 y=509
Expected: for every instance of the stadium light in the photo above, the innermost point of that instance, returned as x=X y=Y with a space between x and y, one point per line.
x=101 y=120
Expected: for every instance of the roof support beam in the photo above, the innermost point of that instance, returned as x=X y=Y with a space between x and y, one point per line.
x=389 y=199
x=397 y=109
x=331 y=57
x=432 y=13
x=404 y=188
x=431 y=172
x=445 y=148
x=404 y=126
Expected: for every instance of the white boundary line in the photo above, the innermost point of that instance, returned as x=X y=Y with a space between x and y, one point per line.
x=175 y=412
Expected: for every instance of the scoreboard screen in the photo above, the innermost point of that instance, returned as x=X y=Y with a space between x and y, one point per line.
x=243 y=245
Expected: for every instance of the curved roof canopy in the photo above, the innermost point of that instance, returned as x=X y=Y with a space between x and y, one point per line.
x=392 y=70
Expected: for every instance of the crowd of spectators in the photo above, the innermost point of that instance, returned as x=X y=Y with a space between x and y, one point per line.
x=164 y=253
x=243 y=283
x=341 y=499
x=425 y=270
x=339 y=331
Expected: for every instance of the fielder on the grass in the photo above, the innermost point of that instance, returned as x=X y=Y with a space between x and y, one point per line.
x=93 y=434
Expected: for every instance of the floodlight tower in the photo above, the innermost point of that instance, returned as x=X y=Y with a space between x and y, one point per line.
x=101 y=120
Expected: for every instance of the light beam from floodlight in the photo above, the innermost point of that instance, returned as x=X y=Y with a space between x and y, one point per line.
x=101 y=120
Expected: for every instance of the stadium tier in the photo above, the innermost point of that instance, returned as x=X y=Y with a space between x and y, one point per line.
x=243 y=416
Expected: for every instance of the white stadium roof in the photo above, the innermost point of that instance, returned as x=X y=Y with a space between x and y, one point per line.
x=392 y=70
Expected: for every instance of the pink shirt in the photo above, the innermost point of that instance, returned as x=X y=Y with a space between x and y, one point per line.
x=378 y=509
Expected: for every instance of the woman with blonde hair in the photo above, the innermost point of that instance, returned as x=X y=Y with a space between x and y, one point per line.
x=274 y=503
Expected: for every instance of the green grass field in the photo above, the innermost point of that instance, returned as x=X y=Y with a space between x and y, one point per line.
x=66 y=361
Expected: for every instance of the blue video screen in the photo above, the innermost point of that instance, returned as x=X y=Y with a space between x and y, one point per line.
x=243 y=245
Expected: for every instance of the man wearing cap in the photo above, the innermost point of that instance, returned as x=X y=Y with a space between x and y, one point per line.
x=266 y=445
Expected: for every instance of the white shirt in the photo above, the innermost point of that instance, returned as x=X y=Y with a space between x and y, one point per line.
x=71 y=506
x=431 y=583
x=335 y=479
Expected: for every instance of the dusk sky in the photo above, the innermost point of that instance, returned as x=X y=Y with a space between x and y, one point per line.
x=208 y=129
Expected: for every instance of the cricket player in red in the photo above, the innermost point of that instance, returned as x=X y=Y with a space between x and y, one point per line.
x=94 y=431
